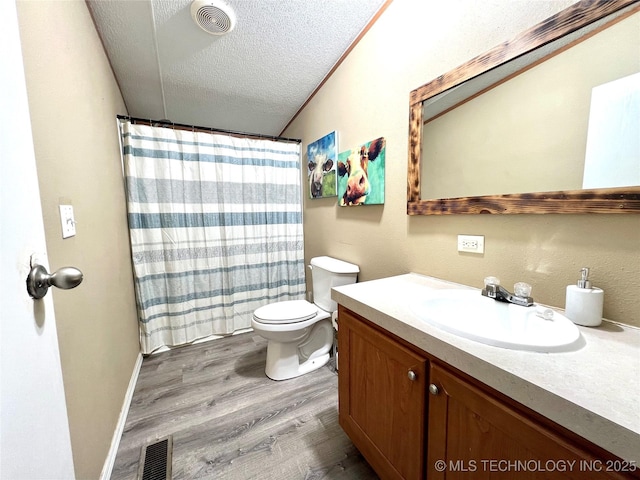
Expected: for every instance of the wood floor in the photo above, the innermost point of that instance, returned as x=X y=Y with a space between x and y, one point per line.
x=229 y=421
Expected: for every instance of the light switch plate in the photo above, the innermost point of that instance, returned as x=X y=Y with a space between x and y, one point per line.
x=67 y=221
x=471 y=243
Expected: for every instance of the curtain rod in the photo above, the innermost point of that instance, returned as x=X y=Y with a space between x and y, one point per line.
x=182 y=126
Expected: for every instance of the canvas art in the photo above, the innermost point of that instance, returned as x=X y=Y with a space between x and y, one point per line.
x=322 y=156
x=361 y=174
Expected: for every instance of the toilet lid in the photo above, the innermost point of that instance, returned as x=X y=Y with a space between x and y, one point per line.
x=286 y=312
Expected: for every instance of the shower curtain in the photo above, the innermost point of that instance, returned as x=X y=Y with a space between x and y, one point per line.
x=216 y=229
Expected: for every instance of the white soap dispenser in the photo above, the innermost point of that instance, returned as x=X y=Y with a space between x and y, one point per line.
x=583 y=304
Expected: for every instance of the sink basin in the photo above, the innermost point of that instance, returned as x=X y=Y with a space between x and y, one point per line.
x=468 y=314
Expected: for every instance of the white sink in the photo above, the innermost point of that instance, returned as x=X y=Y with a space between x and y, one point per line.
x=468 y=314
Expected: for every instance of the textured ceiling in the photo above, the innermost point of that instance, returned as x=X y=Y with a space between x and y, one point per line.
x=253 y=79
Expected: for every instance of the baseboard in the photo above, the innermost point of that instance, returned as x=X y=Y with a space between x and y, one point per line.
x=117 y=434
x=201 y=340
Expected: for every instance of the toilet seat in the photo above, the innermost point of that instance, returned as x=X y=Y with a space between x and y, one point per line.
x=291 y=311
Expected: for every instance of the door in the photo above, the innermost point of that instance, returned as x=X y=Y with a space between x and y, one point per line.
x=474 y=435
x=382 y=398
x=34 y=429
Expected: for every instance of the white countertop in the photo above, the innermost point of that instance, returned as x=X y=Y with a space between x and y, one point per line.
x=594 y=391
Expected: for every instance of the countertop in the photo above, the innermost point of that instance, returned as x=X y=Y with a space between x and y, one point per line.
x=593 y=391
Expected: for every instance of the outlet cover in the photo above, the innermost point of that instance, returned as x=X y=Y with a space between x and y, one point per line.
x=471 y=243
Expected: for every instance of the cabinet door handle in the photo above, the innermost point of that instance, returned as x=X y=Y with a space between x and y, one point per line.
x=412 y=375
x=433 y=389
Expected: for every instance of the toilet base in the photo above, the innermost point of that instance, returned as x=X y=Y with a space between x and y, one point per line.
x=285 y=368
x=291 y=359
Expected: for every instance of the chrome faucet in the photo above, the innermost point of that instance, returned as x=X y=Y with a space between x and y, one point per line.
x=493 y=289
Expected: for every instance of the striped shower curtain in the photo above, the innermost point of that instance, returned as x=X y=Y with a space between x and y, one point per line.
x=216 y=230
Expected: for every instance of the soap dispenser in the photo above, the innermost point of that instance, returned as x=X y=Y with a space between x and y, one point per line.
x=583 y=305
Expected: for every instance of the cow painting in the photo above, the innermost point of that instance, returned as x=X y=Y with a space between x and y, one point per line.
x=322 y=155
x=361 y=174
x=317 y=169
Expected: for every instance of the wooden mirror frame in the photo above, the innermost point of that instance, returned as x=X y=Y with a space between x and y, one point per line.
x=602 y=200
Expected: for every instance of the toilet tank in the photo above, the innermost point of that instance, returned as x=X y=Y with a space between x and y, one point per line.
x=327 y=272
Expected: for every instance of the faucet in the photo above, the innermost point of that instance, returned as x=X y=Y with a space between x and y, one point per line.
x=493 y=289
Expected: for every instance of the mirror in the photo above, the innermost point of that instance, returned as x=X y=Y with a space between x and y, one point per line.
x=444 y=113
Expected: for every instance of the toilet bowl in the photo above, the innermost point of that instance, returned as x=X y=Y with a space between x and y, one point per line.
x=300 y=337
x=299 y=333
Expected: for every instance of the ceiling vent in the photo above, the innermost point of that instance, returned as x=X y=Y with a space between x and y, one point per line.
x=213 y=16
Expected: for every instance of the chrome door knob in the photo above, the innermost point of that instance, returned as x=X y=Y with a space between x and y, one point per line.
x=39 y=280
x=412 y=375
x=433 y=389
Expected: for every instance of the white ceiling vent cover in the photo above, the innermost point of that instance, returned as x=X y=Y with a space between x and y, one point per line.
x=213 y=16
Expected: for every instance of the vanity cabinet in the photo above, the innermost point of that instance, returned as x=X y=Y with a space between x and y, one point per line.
x=410 y=415
x=381 y=385
x=475 y=433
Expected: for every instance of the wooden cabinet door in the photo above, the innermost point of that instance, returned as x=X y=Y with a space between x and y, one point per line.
x=472 y=434
x=382 y=404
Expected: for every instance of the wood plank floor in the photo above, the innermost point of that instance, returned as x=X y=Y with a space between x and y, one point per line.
x=229 y=421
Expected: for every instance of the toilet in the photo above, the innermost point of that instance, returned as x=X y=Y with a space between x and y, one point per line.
x=300 y=333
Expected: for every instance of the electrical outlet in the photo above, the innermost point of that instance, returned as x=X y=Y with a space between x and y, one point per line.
x=471 y=243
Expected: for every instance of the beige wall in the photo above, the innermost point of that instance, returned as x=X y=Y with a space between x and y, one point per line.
x=368 y=96
x=73 y=100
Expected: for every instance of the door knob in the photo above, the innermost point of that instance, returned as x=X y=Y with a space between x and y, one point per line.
x=39 y=280
x=412 y=375
x=433 y=389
